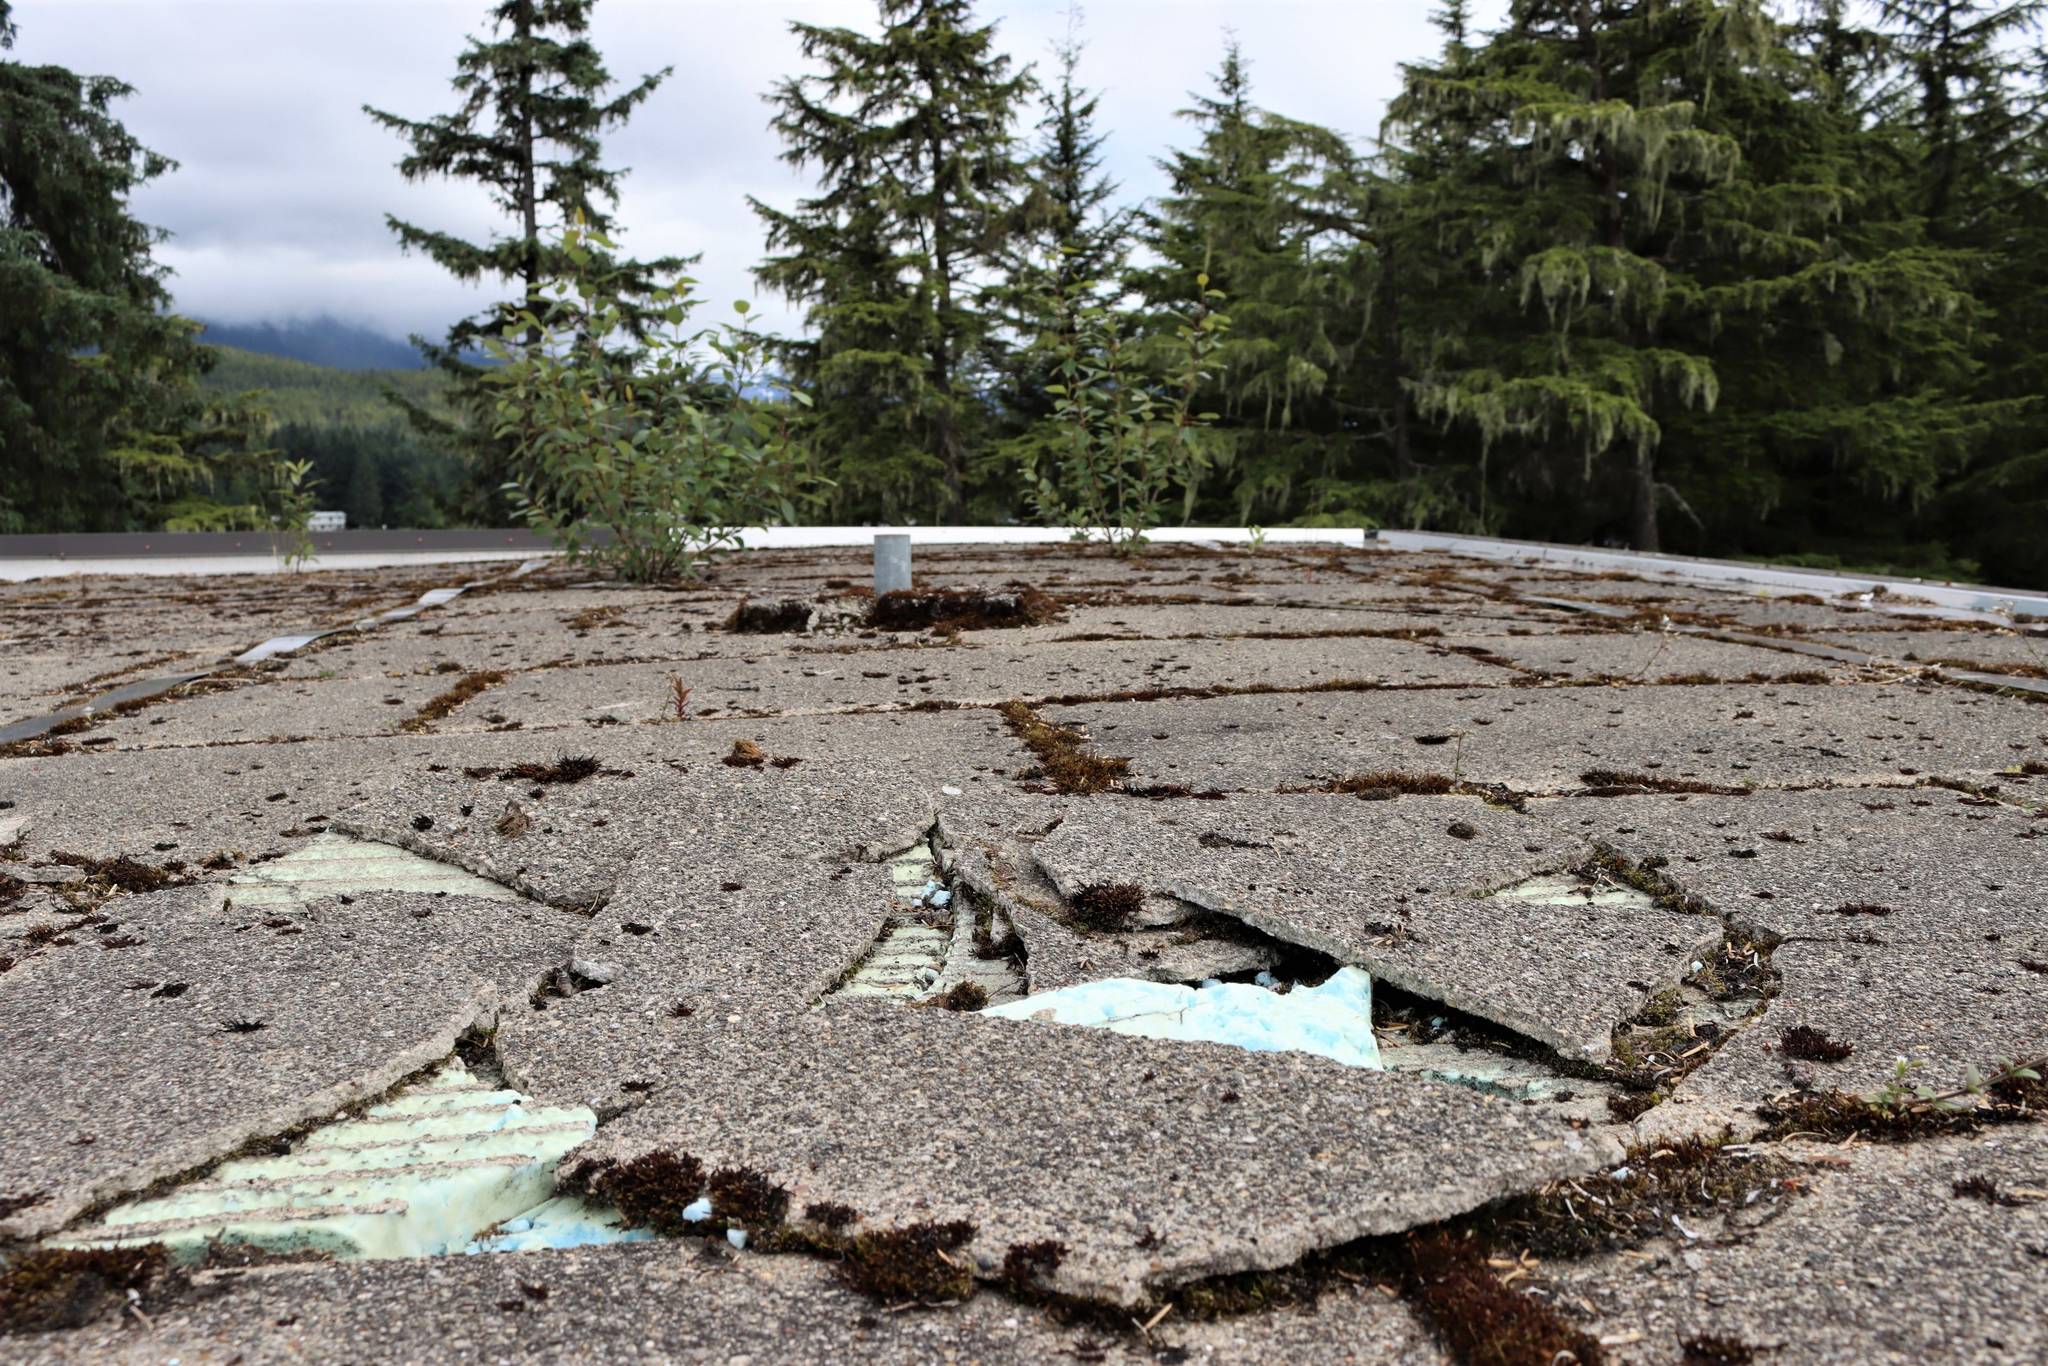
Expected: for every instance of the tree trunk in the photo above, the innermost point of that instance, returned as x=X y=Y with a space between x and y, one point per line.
x=1643 y=506
x=945 y=431
x=529 y=192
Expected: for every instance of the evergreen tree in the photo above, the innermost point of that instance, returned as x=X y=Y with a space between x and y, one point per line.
x=1970 y=87
x=910 y=134
x=1068 y=253
x=92 y=363
x=1962 y=91
x=535 y=102
x=364 y=500
x=1637 y=201
x=1271 y=211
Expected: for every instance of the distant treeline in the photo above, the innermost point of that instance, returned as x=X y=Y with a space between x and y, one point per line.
x=369 y=459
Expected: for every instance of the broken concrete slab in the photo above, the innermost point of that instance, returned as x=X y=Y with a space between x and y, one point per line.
x=1399 y=887
x=189 y=1029
x=668 y=1301
x=1964 y=1006
x=689 y=1008
x=1030 y=1133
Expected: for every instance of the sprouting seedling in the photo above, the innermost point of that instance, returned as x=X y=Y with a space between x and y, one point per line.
x=679 y=696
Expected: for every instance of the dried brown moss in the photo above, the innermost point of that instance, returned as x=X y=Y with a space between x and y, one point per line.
x=48 y=1289
x=916 y=1264
x=1027 y=1266
x=1482 y=1321
x=830 y=1214
x=649 y=1191
x=1106 y=906
x=1606 y=1212
x=1386 y=785
x=1811 y=1045
x=1063 y=756
x=740 y=1195
x=466 y=687
x=962 y=996
x=1607 y=782
x=124 y=873
x=1839 y=1115
x=565 y=770
x=781 y=616
x=950 y=610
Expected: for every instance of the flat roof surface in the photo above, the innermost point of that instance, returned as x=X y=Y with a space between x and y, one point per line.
x=1656 y=885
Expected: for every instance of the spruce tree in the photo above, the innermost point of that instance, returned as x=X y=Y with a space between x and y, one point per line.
x=92 y=363
x=1067 y=253
x=910 y=134
x=535 y=103
x=1269 y=209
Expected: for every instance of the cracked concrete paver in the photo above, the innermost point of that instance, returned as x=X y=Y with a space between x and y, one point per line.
x=1152 y=1162
x=1397 y=886
x=213 y=1025
x=1916 y=866
x=1883 y=1262
x=665 y=1302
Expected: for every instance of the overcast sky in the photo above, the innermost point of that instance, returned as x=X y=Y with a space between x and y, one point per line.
x=277 y=208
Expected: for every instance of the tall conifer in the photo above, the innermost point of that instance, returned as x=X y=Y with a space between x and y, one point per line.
x=910 y=133
x=535 y=103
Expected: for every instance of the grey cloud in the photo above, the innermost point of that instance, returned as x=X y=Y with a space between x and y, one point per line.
x=278 y=207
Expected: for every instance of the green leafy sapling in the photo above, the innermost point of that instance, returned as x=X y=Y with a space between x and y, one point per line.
x=656 y=440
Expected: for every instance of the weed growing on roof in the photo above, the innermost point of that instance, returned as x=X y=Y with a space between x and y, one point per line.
x=1903 y=1110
